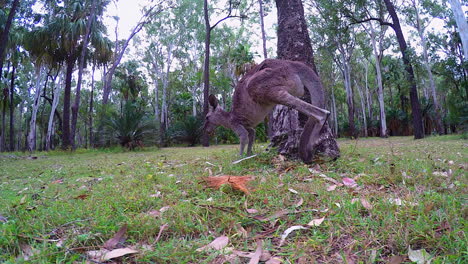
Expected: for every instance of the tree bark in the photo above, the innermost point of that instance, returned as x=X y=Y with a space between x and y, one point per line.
x=427 y=65
x=66 y=103
x=460 y=19
x=12 y=109
x=363 y=108
x=415 y=106
x=262 y=25
x=164 y=114
x=294 y=44
x=32 y=124
x=91 y=102
x=206 y=70
x=380 y=93
x=50 y=125
x=5 y=32
x=76 y=105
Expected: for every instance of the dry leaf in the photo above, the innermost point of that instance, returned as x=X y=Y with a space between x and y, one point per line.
x=288 y=231
x=419 y=256
x=299 y=203
x=293 y=191
x=118 y=237
x=161 y=229
x=164 y=209
x=217 y=244
x=236 y=182
x=3 y=219
x=396 y=260
x=23 y=200
x=329 y=179
x=258 y=253
x=274 y=260
x=117 y=253
x=273 y=216
x=82 y=196
x=366 y=204
x=331 y=187
x=316 y=222
x=349 y=182
x=251 y=211
x=154 y=213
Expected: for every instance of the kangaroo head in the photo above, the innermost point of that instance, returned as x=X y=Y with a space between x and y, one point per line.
x=216 y=116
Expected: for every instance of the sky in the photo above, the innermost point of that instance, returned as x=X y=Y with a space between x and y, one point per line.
x=129 y=12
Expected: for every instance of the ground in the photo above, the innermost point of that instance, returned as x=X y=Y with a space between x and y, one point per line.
x=383 y=201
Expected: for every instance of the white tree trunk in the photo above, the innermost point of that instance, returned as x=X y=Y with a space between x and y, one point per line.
x=194 y=101
x=35 y=107
x=383 y=121
x=262 y=25
x=460 y=19
x=335 y=116
x=363 y=108
x=164 y=117
x=50 y=126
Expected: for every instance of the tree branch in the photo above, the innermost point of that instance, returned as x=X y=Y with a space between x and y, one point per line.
x=381 y=21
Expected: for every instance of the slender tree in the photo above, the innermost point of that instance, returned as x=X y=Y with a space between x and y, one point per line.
x=5 y=33
x=206 y=70
x=294 y=44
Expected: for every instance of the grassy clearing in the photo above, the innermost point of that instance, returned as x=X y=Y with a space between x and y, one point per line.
x=61 y=205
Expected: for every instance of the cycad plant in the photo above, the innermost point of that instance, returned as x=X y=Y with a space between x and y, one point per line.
x=131 y=127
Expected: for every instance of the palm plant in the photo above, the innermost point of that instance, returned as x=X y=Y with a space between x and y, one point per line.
x=130 y=127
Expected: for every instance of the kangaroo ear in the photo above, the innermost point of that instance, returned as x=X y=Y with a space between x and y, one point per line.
x=213 y=101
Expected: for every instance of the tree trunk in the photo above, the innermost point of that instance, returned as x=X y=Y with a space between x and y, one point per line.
x=346 y=69
x=76 y=105
x=460 y=19
x=32 y=124
x=294 y=44
x=415 y=106
x=427 y=65
x=262 y=25
x=91 y=102
x=335 y=116
x=66 y=104
x=380 y=93
x=4 y=109
x=363 y=108
x=12 y=111
x=206 y=70
x=50 y=125
x=164 y=117
x=5 y=33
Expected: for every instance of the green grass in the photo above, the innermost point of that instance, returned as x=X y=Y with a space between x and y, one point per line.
x=83 y=198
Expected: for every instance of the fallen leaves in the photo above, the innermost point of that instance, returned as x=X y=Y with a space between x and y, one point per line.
x=289 y=231
x=236 y=182
x=316 y=222
x=117 y=238
x=419 y=256
x=217 y=244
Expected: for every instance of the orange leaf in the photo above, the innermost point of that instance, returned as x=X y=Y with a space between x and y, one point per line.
x=236 y=182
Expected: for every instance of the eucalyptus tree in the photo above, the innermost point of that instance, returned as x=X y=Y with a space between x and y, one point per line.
x=294 y=43
x=358 y=13
x=418 y=17
x=462 y=24
x=341 y=39
x=121 y=46
x=174 y=35
x=5 y=30
x=229 y=12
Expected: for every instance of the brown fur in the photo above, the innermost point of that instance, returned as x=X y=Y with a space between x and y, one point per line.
x=270 y=83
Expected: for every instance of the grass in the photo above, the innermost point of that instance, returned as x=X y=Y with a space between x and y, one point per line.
x=61 y=205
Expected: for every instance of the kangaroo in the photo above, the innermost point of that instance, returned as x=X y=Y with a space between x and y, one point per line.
x=270 y=83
